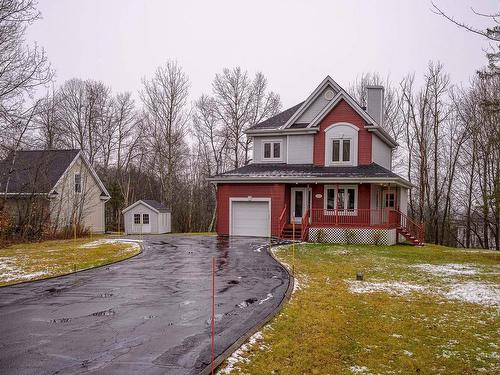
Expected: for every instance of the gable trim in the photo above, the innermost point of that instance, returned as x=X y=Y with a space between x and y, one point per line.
x=92 y=172
x=314 y=95
x=140 y=201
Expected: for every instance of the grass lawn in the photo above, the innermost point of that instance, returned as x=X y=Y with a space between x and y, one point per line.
x=32 y=261
x=430 y=310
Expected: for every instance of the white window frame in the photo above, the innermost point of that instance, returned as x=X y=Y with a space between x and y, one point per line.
x=341 y=131
x=341 y=150
x=272 y=142
x=74 y=183
x=343 y=211
x=139 y=219
x=149 y=218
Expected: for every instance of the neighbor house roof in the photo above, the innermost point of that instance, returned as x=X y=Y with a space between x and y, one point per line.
x=34 y=171
x=309 y=173
x=151 y=203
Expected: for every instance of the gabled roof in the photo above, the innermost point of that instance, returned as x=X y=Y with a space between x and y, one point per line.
x=41 y=171
x=35 y=171
x=311 y=174
x=151 y=203
x=286 y=121
x=278 y=120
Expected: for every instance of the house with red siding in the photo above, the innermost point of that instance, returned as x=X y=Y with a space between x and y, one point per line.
x=322 y=171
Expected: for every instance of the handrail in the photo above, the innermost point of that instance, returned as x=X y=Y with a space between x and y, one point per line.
x=282 y=221
x=305 y=226
x=359 y=217
x=412 y=227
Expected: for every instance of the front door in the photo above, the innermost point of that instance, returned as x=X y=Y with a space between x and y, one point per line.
x=298 y=204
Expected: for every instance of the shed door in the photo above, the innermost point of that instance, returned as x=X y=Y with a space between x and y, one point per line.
x=250 y=219
x=141 y=222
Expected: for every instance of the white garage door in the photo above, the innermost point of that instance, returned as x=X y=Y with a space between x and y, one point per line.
x=250 y=219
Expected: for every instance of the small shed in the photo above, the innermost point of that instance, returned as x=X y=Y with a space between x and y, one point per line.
x=147 y=216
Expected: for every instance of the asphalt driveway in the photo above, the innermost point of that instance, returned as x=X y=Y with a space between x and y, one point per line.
x=147 y=315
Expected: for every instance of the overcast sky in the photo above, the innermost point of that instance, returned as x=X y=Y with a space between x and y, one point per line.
x=294 y=43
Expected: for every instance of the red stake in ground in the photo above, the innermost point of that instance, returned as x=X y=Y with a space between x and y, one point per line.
x=213 y=312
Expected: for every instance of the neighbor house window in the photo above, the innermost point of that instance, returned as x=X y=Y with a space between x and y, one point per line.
x=341 y=150
x=137 y=218
x=78 y=183
x=341 y=197
x=272 y=150
x=145 y=218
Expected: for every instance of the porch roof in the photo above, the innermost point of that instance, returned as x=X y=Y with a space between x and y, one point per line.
x=371 y=173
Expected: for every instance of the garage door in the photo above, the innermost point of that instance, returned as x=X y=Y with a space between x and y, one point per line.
x=250 y=219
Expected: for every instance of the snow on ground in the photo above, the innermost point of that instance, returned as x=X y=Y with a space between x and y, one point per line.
x=268 y=297
x=9 y=271
x=238 y=355
x=133 y=243
x=394 y=288
x=475 y=292
x=447 y=269
x=359 y=369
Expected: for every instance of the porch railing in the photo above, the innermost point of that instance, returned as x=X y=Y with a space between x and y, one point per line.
x=412 y=227
x=373 y=218
x=282 y=220
x=304 y=228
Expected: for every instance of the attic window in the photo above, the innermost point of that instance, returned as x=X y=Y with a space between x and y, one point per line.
x=78 y=183
x=272 y=150
x=341 y=150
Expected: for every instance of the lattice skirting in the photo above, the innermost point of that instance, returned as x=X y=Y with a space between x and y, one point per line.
x=353 y=235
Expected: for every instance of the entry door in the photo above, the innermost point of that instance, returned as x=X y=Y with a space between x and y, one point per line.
x=298 y=204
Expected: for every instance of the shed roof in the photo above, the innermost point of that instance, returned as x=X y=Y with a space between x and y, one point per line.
x=151 y=203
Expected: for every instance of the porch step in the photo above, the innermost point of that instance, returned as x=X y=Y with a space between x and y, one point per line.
x=288 y=232
x=410 y=237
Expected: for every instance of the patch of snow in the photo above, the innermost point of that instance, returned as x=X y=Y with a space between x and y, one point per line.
x=475 y=292
x=238 y=355
x=269 y=296
x=394 y=288
x=133 y=243
x=396 y=335
x=447 y=269
x=359 y=369
x=408 y=353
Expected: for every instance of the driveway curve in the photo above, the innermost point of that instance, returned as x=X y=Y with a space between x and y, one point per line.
x=147 y=315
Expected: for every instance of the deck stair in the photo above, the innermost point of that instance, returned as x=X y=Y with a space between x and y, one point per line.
x=288 y=232
x=409 y=236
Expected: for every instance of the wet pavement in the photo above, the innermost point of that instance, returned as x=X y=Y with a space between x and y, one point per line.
x=148 y=315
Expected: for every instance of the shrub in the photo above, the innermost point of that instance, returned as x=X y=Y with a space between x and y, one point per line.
x=349 y=236
x=377 y=237
x=320 y=236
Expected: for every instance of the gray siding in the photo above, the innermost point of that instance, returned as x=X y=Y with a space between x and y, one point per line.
x=258 y=149
x=315 y=107
x=381 y=153
x=300 y=149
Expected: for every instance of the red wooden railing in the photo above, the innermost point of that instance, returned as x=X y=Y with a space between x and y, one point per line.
x=304 y=230
x=408 y=224
x=282 y=220
x=361 y=217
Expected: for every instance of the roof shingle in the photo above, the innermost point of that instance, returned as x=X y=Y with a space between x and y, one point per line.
x=34 y=171
x=278 y=120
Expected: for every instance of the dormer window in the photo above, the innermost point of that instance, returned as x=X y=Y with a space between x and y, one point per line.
x=78 y=183
x=272 y=150
x=341 y=150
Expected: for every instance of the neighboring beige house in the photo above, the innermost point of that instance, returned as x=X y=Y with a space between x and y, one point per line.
x=59 y=186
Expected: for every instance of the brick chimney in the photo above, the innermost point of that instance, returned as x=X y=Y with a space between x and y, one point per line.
x=375 y=103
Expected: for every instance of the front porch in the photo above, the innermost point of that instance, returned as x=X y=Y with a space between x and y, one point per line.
x=371 y=213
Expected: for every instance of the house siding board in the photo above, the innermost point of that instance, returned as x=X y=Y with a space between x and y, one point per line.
x=381 y=153
x=226 y=191
x=92 y=209
x=300 y=149
x=315 y=108
x=343 y=112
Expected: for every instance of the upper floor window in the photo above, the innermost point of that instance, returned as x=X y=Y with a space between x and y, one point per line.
x=341 y=144
x=341 y=150
x=272 y=150
x=78 y=183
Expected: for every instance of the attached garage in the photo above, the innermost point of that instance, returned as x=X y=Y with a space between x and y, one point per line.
x=250 y=217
